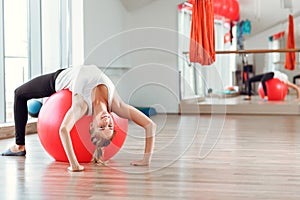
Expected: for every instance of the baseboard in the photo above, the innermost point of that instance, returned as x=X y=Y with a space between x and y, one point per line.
x=8 y=130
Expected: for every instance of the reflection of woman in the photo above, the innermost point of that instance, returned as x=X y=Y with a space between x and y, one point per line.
x=93 y=94
x=268 y=76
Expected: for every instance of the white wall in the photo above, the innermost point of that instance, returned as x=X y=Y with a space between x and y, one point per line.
x=154 y=38
x=261 y=41
x=143 y=40
x=102 y=20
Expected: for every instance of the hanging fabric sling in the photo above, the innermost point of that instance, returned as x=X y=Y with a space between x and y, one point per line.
x=202 y=41
x=290 y=57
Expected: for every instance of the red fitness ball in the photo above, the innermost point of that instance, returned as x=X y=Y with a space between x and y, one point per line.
x=277 y=90
x=50 y=118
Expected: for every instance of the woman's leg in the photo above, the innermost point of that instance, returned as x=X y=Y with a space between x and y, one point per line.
x=294 y=78
x=266 y=77
x=39 y=87
x=252 y=80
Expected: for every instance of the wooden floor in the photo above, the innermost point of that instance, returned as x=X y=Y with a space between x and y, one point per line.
x=196 y=157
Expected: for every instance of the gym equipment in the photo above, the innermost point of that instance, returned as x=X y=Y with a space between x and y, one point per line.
x=277 y=90
x=34 y=107
x=50 y=119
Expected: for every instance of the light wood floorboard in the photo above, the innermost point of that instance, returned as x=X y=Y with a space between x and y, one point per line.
x=196 y=157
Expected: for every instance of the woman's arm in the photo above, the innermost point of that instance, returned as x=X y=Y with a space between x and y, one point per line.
x=295 y=87
x=129 y=112
x=77 y=110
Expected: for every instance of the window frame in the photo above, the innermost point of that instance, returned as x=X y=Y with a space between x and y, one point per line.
x=2 y=67
x=35 y=46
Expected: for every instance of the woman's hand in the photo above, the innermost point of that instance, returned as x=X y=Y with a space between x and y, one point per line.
x=129 y=112
x=145 y=162
x=140 y=163
x=77 y=110
x=78 y=168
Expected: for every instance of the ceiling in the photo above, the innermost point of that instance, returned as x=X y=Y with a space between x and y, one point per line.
x=263 y=14
x=131 y=5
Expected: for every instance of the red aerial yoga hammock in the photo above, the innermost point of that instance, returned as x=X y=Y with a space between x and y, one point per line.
x=202 y=41
x=290 y=57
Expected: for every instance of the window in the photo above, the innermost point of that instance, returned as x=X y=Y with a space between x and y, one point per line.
x=34 y=39
x=15 y=49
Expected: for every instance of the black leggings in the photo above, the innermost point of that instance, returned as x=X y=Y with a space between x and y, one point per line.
x=295 y=77
x=39 y=87
x=261 y=77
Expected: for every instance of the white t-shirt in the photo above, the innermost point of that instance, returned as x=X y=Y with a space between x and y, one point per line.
x=82 y=80
x=281 y=76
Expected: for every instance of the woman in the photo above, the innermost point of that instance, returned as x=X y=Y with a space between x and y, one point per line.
x=267 y=76
x=93 y=94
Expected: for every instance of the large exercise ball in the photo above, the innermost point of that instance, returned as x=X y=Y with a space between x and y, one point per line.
x=277 y=90
x=50 y=119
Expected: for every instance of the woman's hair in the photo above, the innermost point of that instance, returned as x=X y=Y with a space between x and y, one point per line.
x=99 y=142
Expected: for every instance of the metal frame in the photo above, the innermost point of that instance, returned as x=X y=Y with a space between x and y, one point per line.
x=34 y=38
x=65 y=33
x=69 y=17
x=2 y=66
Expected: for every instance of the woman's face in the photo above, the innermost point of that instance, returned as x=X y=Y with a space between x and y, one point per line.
x=104 y=125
